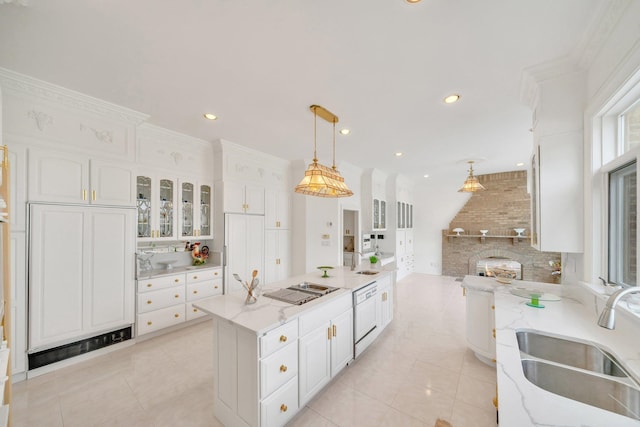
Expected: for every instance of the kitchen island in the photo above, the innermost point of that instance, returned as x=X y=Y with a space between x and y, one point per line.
x=573 y=316
x=272 y=357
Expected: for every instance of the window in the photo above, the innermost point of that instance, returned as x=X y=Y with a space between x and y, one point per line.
x=622 y=225
x=631 y=127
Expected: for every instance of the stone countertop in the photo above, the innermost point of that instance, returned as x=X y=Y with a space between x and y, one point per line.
x=521 y=403
x=268 y=313
x=150 y=274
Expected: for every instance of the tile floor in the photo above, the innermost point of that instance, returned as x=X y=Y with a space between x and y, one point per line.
x=418 y=370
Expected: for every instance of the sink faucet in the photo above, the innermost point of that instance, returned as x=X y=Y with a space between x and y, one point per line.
x=353 y=259
x=607 y=317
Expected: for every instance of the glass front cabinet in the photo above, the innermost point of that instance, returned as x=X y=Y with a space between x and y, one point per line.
x=195 y=210
x=156 y=201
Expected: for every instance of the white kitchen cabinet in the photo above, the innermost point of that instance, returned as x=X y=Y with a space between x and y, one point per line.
x=325 y=345
x=56 y=176
x=157 y=197
x=81 y=278
x=277 y=208
x=18 y=303
x=385 y=306
x=277 y=255
x=202 y=284
x=374 y=204
x=481 y=324
x=244 y=243
x=556 y=197
x=239 y=197
x=194 y=209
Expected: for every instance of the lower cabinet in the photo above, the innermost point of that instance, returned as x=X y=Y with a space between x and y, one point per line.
x=385 y=306
x=481 y=324
x=326 y=345
x=166 y=301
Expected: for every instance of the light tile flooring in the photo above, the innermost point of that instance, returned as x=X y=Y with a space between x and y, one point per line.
x=417 y=371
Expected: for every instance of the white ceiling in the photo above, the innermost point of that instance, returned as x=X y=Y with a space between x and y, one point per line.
x=382 y=66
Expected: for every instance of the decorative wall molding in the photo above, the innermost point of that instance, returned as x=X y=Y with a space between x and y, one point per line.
x=104 y=136
x=41 y=119
x=12 y=81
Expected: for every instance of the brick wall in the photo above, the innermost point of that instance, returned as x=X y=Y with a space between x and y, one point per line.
x=504 y=205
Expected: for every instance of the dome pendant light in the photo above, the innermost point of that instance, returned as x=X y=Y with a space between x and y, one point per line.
x=320 y=180
x=471 y=184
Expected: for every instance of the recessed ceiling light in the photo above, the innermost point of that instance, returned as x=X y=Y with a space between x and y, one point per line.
x=398 y=154
x=426 y=176
x=451 y=98
x=413 y=1
x=345 y=131
x=210 y=116
x=520 y=164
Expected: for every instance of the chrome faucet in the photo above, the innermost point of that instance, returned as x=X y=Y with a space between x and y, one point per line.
x=353 y=260
x=607 y=317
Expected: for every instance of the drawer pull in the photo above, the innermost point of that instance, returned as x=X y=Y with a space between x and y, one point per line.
x=176 y=315
x=334 y=330
x=149 y=323
x=283 y=408
x=215 y=287
x=195 y=310
x=283 y=368
x=149 y=285
x=494 y=333
x=149 y=301
x=195 y=292
x=283 y=338
x=195 y=277
x=215 y=274
x=177 y=295
x=177 y=280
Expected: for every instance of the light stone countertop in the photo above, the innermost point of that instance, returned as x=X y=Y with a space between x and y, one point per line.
x=268 y=313
x=160 y=272
x=521 y=403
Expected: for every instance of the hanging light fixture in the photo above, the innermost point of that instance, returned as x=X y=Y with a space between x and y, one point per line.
x=471 y=184
x=320 y=180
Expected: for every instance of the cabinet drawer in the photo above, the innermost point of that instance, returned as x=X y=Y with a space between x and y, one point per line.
x=278 y=338
x=194 y=313
x=160 y=282
x=196 y=291
x=277 y=369
x=159 y=319
x=149 y=301
x=201 y=275
x=281 y=406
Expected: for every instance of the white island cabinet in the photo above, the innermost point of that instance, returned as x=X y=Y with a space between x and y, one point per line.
x=271 y=358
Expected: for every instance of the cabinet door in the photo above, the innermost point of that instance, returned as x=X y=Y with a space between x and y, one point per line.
x=480 y=323
x=109 y=285
x=146 y=205
x=314 y=368
x=233 y=197
x=254 y=244
x=277 y=207
x=383 y=215
x=58 y=177
x=112 y=184
x=376 y=214
x=409 y=241
x=254 y=199
x=166 y=198
x=18 y=303
x=57 y=253
x=341 y=341
x=205 y=211
x=187 y=208
x=244 y=240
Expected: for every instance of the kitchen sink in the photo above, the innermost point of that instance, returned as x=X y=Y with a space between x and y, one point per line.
x=568 y=352
x=608 y=393
x=368 y=272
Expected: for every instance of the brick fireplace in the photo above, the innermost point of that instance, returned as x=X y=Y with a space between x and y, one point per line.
x=504 y=205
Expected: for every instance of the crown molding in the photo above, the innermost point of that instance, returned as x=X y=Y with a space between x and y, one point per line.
x=22 y=84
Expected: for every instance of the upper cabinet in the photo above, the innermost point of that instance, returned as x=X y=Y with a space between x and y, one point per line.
x=195 y=210
x=374 y=200
x=56 y=176
x=239 y=197
x=277 y=208
x=156 y=204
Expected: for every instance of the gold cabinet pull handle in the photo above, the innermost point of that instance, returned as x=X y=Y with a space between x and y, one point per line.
x=329 y=333
x=195 y=277
x=177 y=295
x=177 y=280
x=215 y=287
x=283 y=408
x=149 y=323
x=215 y=274
x=148 y=301
x=84 y=194
x=283 y=338
x=195 y=310
x=149 y=285
x=195 y=292
x=334 y=330
x=494 y=332
x=283 y=368
x=93 y=195
x=176 y=315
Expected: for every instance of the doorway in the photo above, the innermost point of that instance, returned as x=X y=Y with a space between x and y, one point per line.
x=350 y=236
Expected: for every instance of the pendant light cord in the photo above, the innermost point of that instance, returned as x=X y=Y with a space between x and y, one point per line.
x=315 y=135
x=334 y=144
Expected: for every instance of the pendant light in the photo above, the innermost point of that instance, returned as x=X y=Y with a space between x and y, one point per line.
x=320 y=180
x=471 y=184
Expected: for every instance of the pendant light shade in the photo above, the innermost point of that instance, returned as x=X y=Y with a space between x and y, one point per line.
x=320 y=180
x=471 y=184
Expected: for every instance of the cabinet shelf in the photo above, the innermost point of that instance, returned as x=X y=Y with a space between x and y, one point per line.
x=482 y=238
